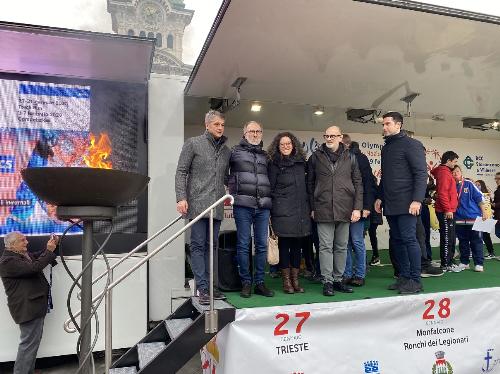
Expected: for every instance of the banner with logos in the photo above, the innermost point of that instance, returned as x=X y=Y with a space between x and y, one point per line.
x=442 y=333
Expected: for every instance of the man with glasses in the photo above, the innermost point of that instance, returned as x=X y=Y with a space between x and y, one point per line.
x=335 y=191
x=496 y=205
x=249 y=184
x=199 y=182
x=402 y=190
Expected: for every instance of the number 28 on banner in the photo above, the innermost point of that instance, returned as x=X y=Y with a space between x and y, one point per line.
x=443 y=308
x=285 y=318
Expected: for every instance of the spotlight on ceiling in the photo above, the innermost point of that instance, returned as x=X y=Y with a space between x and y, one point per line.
x=362 y=115
x=256 y=107
x=481 y=124
x=319 y=111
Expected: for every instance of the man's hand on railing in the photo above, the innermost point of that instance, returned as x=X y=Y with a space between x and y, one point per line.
x=182 y=207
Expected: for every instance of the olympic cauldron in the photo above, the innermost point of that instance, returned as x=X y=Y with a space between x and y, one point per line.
x=88 y=194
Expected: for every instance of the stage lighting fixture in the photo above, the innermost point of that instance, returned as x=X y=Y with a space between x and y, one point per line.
x=362 y=115
x=319 y=111
x=481 y=124
x=256 y=107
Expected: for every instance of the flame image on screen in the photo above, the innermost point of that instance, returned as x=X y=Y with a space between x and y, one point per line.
x=98 y=152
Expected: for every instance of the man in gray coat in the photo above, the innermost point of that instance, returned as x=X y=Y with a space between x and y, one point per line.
x=199 y=182
x=27 y=293
x=335 y=188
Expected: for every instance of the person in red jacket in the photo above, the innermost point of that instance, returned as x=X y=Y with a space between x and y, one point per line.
x=446 y=202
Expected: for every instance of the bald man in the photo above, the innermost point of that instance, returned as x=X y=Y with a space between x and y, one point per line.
x=335 y=191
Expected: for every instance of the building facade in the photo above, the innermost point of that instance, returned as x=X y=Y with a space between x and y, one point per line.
x=163 y=20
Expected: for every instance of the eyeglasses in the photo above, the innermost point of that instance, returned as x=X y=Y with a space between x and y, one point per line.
x=254 y=132
x=289 y=144
x=326 y=136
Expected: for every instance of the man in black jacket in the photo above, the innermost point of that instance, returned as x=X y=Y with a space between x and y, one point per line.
x=27 y=294
x=249 y=184
x=336 y=197
x=402 y=190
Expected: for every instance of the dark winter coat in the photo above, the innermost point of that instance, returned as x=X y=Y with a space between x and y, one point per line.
x=201 y=171
x=335 y=189
x=369 y=186
x=25 y=285
x=496 y=204
x=290 y=214
x=375 y=218
x=404 y=174
x=248 y=180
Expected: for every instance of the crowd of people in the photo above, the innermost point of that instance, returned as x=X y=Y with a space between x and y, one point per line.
x=329 y=201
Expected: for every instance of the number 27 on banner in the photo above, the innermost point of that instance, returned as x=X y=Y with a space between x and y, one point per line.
x=443 y=308
x=285 y=317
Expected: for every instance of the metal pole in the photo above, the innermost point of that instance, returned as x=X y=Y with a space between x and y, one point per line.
x=108 y=335
x=86 y=301
x=211 y=315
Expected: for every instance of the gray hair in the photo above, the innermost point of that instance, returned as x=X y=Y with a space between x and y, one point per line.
x=10 y=238
x=249 y=123
x=212 y=115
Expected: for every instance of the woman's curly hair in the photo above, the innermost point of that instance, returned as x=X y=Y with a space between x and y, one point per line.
x=273 y=151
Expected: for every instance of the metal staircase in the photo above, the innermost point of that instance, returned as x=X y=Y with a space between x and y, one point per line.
x=172 y=343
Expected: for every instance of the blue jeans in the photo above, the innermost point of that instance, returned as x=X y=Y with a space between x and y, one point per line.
x=245 y=218
x=357 y=246
x=200 y=251
x=470 y=240
x=406 y=249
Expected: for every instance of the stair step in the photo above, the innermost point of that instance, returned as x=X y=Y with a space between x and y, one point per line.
x=176 y=326
x=218 y=304
x=125 y=370
x=148 y=351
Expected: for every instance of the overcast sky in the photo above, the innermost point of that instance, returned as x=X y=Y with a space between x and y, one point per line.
x=92 y=15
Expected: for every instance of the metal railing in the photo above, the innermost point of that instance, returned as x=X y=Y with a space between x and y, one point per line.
x=210 y=315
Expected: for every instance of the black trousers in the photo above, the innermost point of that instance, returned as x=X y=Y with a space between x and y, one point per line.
x=372 y=233
x=290 y=252
x=447 y=238
x=488 y=242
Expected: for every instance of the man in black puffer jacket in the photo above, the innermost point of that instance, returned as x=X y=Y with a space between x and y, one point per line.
x=249 y=184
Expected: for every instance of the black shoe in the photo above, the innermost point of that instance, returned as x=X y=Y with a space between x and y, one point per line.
x=395 y=286
x=246 y=291
x=203 y=297
x=375 y=261
x=328 y=289
x=261 y=289
x=219 y=295
x=410 y=287
x=341 y=287
x=357 y=282
x=431 y=271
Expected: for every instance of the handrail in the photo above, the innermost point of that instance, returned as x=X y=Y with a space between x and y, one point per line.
x=139 y=246
x=69 y=329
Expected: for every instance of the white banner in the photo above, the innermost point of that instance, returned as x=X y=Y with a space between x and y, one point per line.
x=441 y=333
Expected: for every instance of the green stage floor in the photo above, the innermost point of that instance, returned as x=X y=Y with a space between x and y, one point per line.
x=377 y=280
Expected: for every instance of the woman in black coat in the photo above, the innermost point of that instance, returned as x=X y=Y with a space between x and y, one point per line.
x=290 y=213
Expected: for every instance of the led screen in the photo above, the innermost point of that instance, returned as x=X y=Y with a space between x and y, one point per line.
x=47 y=124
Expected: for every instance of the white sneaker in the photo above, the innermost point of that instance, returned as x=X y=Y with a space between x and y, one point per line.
x=456 y=268
x=479 y=268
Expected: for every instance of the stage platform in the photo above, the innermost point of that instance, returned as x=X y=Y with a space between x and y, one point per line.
x=377 y=280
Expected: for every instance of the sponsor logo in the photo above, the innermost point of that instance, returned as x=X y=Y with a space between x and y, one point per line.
x=7 y=164
x=441 y=366
x=489 y=361
x=371 y=367
x=468 y=162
